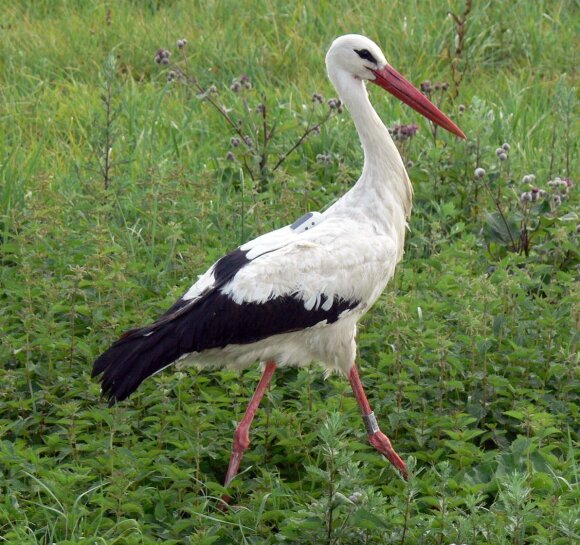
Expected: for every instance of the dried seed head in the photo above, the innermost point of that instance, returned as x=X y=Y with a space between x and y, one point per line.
x=230 y=156
x=505 y=146
x=171 y=76
x=211 y=90
x=503 y=156
x=461 y=108
x=317 y=97
x=236 y=86
x=245 y=81
x=445 y=86
x=334 y=103
x=437 y=86
x=479 y=172
x=526 y=197
x=557 y=200
x=527 y=179
x=425 y=86
x=248 y=140
x=542 y=193
x=235 y=142
x=260 y=108
x=499 y=151
x=181 y=43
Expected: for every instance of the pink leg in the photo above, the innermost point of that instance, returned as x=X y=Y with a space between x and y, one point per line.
x=376 y=437
x=242 y=433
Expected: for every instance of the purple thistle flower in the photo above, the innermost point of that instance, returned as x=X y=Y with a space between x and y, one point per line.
x=162 y=56
x=403 y=132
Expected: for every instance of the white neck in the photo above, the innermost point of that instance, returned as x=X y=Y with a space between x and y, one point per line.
x=384 y=183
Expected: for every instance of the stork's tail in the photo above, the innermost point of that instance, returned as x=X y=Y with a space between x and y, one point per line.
x=136 y=356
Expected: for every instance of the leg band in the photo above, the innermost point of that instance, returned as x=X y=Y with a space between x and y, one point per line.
x=371 y=423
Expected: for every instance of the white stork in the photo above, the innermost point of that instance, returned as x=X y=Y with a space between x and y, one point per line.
x=295 y=295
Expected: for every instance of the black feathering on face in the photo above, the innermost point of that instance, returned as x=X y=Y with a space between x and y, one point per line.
x=366 y=55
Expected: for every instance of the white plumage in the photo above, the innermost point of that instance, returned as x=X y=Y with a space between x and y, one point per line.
x=350 y=252
x=340 y=258
x=295 y=295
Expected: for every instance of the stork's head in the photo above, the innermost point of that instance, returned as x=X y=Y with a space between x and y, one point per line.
x=358 y=57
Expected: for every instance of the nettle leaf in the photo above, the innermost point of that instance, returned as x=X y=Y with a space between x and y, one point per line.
x=363 y=518
x=518 y=415
x=570 y=216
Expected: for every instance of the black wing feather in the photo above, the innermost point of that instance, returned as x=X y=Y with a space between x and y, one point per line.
x=213 y=320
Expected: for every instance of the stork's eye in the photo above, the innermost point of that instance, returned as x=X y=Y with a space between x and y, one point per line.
x=366 y=55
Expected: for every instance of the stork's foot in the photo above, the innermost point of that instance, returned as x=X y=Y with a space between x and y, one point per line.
x=383 y=444
x=239 y=447
x=376 y=437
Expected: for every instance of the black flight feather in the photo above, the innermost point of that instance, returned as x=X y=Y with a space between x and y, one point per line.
x=212 y=320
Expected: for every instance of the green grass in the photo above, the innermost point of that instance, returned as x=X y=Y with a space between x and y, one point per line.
x=469 y=358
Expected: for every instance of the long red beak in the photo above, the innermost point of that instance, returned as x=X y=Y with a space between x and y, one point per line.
x=390 y=80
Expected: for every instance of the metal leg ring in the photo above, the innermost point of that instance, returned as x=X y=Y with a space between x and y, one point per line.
x=371 y=423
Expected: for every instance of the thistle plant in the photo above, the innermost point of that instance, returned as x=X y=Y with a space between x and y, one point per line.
x=251 y=117
x=402 y=135
x=519 y=212
x=436 y=93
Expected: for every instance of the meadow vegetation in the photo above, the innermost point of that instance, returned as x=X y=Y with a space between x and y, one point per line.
x=120 y=182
